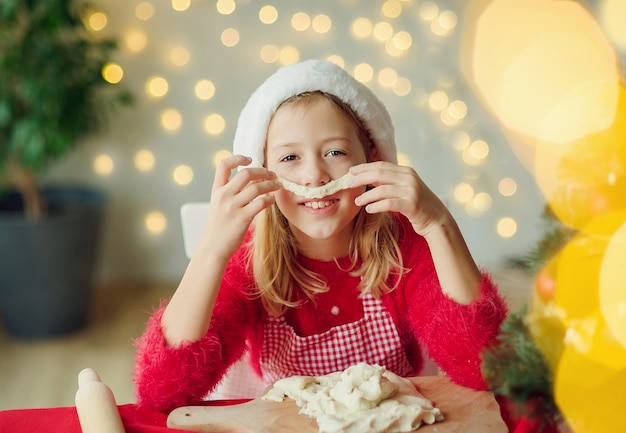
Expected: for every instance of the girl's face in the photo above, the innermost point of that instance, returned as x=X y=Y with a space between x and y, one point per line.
x=312 y=143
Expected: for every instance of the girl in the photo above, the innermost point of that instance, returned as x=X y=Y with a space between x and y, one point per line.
x=374 y=273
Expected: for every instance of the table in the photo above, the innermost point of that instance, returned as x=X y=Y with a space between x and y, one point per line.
x=141 y=420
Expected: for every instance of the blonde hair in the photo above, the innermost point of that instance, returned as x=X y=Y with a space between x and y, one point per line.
x=373 y=247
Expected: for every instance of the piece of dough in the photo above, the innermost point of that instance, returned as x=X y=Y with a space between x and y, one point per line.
x=362 y=398
x=320 y=191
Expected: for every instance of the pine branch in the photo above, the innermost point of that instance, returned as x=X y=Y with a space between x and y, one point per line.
x=515 y=368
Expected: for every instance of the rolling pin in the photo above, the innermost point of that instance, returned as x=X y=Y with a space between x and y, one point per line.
x=96 y=406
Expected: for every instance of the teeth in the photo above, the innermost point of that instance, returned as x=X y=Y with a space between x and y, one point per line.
x=318 y=204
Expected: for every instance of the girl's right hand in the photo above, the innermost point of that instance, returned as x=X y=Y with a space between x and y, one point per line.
x=234 y=204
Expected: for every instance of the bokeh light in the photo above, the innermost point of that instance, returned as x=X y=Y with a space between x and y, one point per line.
x=507 y=187
x=361 y=28
x=144 y=11
x=506 y=227
x=586 y=177
x=103 y=165
x=219 y=155
x=144 y=160
x=363 y=72
x=515 y=43
x=214 y=124
x=300 y=21
x=180 y=56
x=225 y=7
x=136 y=40
x=113 y=73
x=157 y=87
x=268 y=14
x=321 y=23
x=97 y=21
x=171 y=120
x=155 y=222
x=182 y=175
x=204 y=90
x=181 y=5
x=230 y=37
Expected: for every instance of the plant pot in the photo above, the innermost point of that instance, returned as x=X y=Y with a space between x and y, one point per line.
x=47 y=266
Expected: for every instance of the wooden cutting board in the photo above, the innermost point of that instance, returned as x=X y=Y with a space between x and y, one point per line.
x=465 y=411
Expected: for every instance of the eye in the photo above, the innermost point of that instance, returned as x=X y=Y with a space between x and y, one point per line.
x=335 y=152
x=288 y=158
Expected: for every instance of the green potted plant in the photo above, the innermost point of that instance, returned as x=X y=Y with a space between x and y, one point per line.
x=52 y=95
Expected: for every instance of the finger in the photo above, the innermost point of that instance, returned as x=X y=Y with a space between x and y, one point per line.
x=383 y=192
x=387 y=205
x=225 y=167
x=377 y=173
x=253 y=208
x=255 y=190
x=249 y=176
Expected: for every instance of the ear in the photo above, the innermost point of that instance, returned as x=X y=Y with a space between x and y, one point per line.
x=374 y=154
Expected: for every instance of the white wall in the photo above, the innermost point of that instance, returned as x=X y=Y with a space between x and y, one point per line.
x=132 y=251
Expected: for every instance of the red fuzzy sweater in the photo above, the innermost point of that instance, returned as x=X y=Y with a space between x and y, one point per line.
x=452 y=334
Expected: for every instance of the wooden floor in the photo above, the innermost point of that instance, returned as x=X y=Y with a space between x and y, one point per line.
x=44 y=373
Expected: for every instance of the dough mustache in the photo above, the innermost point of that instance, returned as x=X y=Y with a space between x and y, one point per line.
x=311 y=192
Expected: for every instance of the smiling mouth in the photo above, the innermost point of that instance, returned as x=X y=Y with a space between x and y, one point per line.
x=319 y=204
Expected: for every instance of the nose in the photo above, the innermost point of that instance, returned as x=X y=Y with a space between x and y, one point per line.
x=315 y=173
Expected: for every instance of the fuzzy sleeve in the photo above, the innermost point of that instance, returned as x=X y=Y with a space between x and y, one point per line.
x=167 y=377
x=455 y=335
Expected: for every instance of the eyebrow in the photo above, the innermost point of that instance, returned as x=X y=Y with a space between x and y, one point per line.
x=324 y=141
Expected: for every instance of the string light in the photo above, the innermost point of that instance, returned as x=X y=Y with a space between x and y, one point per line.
x=179 y=56
x=288 y=55
x=214 y=124
x=225 y=7
x=113 y=73
x=103 y=165
x=136 y=41
x=506 y=227
x=144 y=160
x=155 y=222
x=171 y=120
x=268 y=14
x=144 y=11
x=270 y=53
x=204 y=90
x=157 y=87
x=181 y=5
x=361 y=28
x=219 y=155
x=363 y=72
x=392 y=9
x=183 y=175
x=321 y=23
x=383 y=31
x=230 y=37
x=300 y=21
x=97 y=21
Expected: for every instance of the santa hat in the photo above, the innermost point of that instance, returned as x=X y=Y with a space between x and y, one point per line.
x=306 y=76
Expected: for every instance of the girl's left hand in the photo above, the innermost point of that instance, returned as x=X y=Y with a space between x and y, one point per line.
x=398 y=188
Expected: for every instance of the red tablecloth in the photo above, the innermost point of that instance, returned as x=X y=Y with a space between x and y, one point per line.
x=141 y=420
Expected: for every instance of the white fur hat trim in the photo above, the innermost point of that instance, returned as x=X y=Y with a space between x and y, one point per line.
x=311 y=75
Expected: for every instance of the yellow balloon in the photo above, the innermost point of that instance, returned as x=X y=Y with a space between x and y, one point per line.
x=590 y=381
x=578 y=265
x=585 y=178
x=613 y=284
x=578 y=274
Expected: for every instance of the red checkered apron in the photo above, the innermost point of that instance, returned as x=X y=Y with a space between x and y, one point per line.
x=372 y=339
